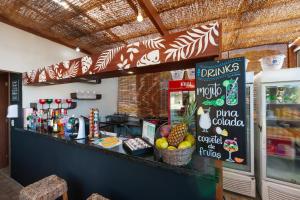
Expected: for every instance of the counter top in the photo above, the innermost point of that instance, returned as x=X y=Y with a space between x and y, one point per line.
x=199 y=166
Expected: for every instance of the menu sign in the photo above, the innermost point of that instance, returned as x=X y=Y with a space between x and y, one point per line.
x=15 y=90
x=221 y=114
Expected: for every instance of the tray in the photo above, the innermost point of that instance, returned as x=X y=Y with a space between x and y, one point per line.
x=127 y=144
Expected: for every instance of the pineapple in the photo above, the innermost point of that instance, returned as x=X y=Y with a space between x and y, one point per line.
x=179 y=131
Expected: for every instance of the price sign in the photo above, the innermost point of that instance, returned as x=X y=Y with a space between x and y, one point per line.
x=221 y=114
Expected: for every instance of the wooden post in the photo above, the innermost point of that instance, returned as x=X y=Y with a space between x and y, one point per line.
x=219 y=186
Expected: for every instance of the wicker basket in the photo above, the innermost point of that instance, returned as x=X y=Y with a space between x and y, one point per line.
x=177 y=157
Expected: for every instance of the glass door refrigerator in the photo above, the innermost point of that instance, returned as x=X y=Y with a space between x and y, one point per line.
x=181 y=93
x=240 y=178
x=279 y=137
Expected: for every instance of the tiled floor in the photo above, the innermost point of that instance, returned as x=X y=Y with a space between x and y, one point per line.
x=9 y=189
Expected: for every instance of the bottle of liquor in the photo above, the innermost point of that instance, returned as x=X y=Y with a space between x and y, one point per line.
x=56 y=124
x=50 y=121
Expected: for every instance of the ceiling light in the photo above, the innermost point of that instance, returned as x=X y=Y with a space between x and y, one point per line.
x=139 y=18
x=130 y=72
x=77 y=49
x=62 y=3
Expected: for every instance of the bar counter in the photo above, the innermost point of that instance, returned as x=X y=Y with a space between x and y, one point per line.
x=89 y=168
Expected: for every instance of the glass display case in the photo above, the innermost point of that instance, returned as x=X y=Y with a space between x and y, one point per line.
x=279 y=136
x=181 y=93
x=283 y=132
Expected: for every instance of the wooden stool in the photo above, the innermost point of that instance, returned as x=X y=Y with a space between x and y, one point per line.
x=49 y=188
x=96 y=196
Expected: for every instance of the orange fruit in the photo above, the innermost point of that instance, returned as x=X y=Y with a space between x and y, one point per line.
x=239 y=160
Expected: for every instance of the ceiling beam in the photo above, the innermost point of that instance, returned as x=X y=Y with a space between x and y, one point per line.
x=152 y=13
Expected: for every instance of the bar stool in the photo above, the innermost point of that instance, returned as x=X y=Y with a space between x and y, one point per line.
x=96 y=196
x=49 y=188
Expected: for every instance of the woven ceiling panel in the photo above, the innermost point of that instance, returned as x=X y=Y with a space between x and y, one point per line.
x=134 y=29
x=83 y=23
x=95 y=25
x=194 y=13
x=50 y=9
x=32 y=17
x=112 y=13
x=66 y=31
x=164 y=5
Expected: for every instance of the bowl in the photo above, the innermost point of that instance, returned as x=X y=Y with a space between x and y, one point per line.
x=177 y=74
x=191 y=73
x=274 y=62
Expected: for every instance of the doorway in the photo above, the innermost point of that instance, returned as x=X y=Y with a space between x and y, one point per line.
x=4 y=87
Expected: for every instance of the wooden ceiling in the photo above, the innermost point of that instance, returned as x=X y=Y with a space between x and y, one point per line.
x=95 y=25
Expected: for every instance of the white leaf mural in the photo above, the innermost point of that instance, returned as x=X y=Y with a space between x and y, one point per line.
x=132 y=51
x=32 y=74
x=58 y=71
x=66 y=64
x=106 y=57
x=42 y=76
x=86 y=63
x=123 y=64
x=151 y=58
x=155 y=43
x=50 y=72
x=72 y=71
x=193 y=43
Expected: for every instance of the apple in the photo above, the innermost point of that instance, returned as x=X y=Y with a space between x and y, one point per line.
x=165 y=130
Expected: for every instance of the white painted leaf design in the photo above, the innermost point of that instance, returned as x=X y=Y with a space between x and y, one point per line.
x=193 y=43
x=42 y=76
x=32 y=75
x=106 y=57
x=155 y=43
x=50 y=72
x=72 y=71
x=58 y=71
x=25 y=78
x=66 y=64
x=151 y=58
x=86 y=63
x=131 y=56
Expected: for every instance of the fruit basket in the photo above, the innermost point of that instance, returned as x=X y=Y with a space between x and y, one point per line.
x=176 y=145
x=177 y=157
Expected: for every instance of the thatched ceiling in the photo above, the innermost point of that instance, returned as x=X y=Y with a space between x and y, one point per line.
x=94 y=25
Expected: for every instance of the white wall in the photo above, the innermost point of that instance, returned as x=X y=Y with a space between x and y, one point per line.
x=107 y=105
x=21 y=51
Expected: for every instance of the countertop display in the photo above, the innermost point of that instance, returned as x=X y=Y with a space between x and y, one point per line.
x=199 y=166
x=112 y=172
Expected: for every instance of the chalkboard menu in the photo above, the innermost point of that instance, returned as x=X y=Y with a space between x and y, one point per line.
x=14 y=90
x=221 y=114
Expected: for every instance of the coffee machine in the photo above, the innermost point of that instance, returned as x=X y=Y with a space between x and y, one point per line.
x=77 y=128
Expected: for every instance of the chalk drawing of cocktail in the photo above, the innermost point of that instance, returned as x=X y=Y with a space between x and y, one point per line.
x=205 y=121
x=230 y=146
x=231 y=91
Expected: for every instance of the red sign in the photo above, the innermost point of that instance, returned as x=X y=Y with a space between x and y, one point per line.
x=182 y=85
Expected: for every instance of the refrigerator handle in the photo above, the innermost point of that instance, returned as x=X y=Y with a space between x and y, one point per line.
x=259 y=127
